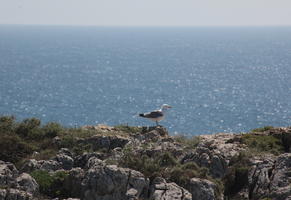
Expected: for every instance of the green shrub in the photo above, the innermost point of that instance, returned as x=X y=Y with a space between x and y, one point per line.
x=265 y=128
x=189 y=142
x=13 y=148
x=237 y=176
x=51 y=184
x=7 y=124
x=28 y=126
x=263 y=143
x=52 y=129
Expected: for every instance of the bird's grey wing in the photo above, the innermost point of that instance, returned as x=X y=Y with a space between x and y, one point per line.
x=153 y=114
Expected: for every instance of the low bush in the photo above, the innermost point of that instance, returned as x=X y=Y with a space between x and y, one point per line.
x=7 y=124
x=13 y=148
x=262 y=129
x=128 y=129
x=27 y=127
x=263 y=143
x=189 y=142
x=52 y=129
x=51 y=184
x=237 y=176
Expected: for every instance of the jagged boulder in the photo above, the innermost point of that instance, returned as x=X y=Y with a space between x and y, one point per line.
x=81 y=160
x=65 y=160
x=160 y=189
x=46 y=165
x=27 y=183
x=14 y=194
x=73 y=182
x=109 y=182
x=8 y=174
x=270 y=178
x=105 y=142
x=215 y=152
x=202 y=189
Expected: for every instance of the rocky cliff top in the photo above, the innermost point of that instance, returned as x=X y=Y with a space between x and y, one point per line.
x=142 y=163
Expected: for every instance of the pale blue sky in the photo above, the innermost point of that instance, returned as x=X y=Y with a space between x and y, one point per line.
x=147 y=12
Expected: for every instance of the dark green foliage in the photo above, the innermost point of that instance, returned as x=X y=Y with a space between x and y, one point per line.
x=163 y=165
x=237 y=176
x=286 y=141
x=13 y=148
x=52 y=129
x=263 y=143
x=166 y=159
x=51 y=184
x=265 y=128
x=7 y=124
x=28 y=127
x=190 y=142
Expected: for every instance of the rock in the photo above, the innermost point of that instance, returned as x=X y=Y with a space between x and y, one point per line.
x=215 y=152
x=73 y=182
x=27 y=183
x=112 y=182
x=152 y=134
x=3 y=194
x=105 y=142
x=8 y=174
x=46 y=165
x=270 y=177
x=65 y=161
x=160 y=189
x=202 y=189
x=14 y=194
x=81 y=161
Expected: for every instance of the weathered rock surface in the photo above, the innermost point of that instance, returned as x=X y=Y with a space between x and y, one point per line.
x=215 y=152
x=161 y=190
x=202 y=189
x=16 y=186
x=14 y=194
x=105 y=142
x=270 y=178
x=8 y=174
x=27 y=183
x=106 y=182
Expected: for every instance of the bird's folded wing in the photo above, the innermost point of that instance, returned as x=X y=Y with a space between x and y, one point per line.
x=154 y=114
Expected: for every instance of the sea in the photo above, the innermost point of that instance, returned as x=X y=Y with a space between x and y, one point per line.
x=217 y=79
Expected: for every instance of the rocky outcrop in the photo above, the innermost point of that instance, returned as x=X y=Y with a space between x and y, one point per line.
x=27 y=183
x=15 y=186
x=101 y=173
x=161 y=190
x=14 y=194
x=106 y=182
x=202 y=189
x=105 y=142
x=215 y=152
x=270 y=178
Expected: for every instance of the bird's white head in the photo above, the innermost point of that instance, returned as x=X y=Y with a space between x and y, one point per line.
x=165 y=106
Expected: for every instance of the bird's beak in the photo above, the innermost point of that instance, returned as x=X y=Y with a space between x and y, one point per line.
x=169 y=106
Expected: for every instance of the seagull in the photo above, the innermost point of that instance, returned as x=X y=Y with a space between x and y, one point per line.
x=156 y=115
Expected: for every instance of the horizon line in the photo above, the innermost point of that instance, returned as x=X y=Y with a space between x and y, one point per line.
x=149 y=26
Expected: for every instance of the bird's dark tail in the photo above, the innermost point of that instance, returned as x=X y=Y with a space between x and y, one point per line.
x=141 y=115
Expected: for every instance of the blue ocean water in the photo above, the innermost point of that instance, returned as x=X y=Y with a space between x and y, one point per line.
x=217 y=79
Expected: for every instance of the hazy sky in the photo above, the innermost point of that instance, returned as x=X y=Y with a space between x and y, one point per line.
x=146 y=12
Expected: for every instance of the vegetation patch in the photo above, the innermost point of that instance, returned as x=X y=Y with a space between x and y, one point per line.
x=128 y=129
x=237 y=177
x=189 y=142
x=263 y=143
x=13 y=148
x=51 y=184
x=262 y=129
